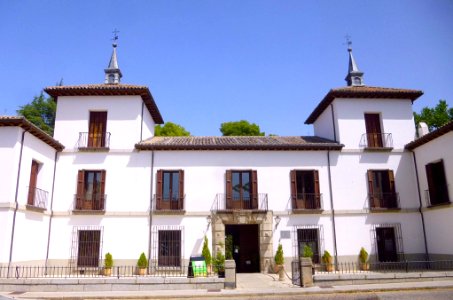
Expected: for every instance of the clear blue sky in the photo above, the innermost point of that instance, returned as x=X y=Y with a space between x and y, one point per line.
x=208 y=62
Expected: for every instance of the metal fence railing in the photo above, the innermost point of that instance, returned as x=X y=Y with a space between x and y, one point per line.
x=38 y=197
x=116 y=271
x=379 y=201
x=89 y=140
x=376 y=140
x=252 y=202
x=397 y=266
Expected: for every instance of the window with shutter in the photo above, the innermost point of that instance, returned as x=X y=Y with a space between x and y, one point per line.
x=33 y=181
x=381 y=189
x=305 y=190
x=169 y=248
x=90 y=190
x=241 y=189
x=373 y=130
x=97 y=129
x=89 y=242
x=437 y=183
x=170 y=190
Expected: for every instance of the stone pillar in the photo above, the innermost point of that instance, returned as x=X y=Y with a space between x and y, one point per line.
x=230 y=274
x=306 y=272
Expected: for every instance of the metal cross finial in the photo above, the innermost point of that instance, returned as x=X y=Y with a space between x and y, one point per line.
x=115 y=35
x=348 y=41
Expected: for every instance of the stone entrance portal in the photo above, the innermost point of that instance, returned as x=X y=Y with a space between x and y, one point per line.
x=263 y=232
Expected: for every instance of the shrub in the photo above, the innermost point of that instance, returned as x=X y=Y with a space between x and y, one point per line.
x=229 y=247
x=279 y=258
x=307 y=251
x=142 y=261
x=219 y=262
x=205 y=252
x=108 y=261
x=363 y=255
x=326 y=257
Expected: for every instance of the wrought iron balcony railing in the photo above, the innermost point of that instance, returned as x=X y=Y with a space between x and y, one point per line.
x=437 y=197
x=376 y=141
x=254 y=203
x=379 y=201
x=165 y=204
x=37 y=198
x=93 y=202
x=307 y=201
x=90 y=141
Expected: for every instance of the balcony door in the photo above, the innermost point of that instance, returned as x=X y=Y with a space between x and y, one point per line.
x=373 y=130
x=97 y=129
x=90 y=190
x=170 y=190
x=305 y=189
x=381 y=185
x=242 y=192
x=33 y=181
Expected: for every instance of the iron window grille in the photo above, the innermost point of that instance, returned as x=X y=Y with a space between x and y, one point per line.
x=167 y=243
x=311 y=235
x=398 y=242
x=86 y=247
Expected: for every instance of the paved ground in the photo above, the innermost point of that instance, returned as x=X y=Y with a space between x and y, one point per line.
x=267 y=286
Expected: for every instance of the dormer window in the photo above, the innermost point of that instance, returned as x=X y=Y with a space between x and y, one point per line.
x=357 y=81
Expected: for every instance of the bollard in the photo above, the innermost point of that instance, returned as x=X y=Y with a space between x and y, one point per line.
x=230 y=274
x=306 y=272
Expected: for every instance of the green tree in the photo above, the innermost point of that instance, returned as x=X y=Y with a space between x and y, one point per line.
x=41 y=112
x=240 y=128
x=170 y=129
x=435 y=117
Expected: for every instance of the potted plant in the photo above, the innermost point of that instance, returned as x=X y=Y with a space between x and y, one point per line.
x=363 y=258
x=328 y=261
x=279 y=261
x=229 y=247
x=108 y=264
x=142 y=264
x=219 y=264
x=307 y=252
x=206 y=254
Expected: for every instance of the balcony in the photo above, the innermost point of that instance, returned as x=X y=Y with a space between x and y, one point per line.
x=438 y=196
x=94 y=203
x=307 y=203
x=254 y=204
x=384 y=201
x=172 y=205
x=37 y=199
x=376 y=141
x=93 y=142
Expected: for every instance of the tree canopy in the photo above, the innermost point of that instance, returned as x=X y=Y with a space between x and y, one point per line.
x=41 y=112
x=240 y=128
x=170 y=129
x=435 y=117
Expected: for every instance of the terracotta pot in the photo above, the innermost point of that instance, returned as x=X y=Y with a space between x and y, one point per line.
x=364 y=266
x=141 y=271
x=107 y=271
x=330 y=267
x=281 y=273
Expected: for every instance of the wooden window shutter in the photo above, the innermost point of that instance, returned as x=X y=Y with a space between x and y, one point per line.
x=292 y=175
x=391 y=181
x=228 y=186
x=181 y=185
x=254 y=189
x=80 y=189
x=316 y=181
x=370 y=182
x=103 y=174
x=33 y=179
x=159 y=188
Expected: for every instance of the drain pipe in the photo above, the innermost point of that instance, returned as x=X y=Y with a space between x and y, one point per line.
x=333 y=210
x=16 y=204
x=420 y=207
x=51 y=209
x=151 y=206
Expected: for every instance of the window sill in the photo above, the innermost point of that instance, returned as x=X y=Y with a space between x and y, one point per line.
x=87 y=212
x=239 y=210
x=443 y=204
x=385 y=209
x=94 y=149
x=169 y=212
x=307 y=210
x=378 y=149
x=35 y=208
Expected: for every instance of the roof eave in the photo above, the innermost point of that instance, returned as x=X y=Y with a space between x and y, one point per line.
x=430 y=136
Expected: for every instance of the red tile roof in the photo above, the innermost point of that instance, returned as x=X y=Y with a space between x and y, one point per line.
x=109 y=90
x=367 y=92
x=239 y=143
x=22 y=122
x=430 y=136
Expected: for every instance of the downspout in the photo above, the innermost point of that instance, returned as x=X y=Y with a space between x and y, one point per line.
x=333 y=210
x=420 y=207
x=151 y=205
x=51 y=208
x=333 y=124
x=15 y=201
x=141 y=123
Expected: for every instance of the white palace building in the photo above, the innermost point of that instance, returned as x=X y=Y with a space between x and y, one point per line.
x=104 y=183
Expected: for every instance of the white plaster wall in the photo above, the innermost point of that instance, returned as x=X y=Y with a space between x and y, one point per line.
x=354 y=232
x=350 y=182
x=30 y=236
x=204 y=173
x=123 y=119
x=396 y=118
x=438 y=221
x=9 y=161
x=6 y=221
x=127 y=183
x=323 y=126
x=148 y=124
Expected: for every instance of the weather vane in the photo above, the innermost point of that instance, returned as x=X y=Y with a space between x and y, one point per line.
x=115 y=35
x=348 y=41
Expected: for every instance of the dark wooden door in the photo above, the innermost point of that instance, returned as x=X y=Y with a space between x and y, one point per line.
x=245 y=247
x=373 y=130
x=33 y=181
x=97 y=129
x=386 y=244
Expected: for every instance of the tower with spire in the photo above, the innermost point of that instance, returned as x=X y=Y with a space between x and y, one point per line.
x=354 y=76
x=113 y=73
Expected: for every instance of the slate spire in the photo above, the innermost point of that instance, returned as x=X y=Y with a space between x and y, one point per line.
x=113 y=73
x=354 y=76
